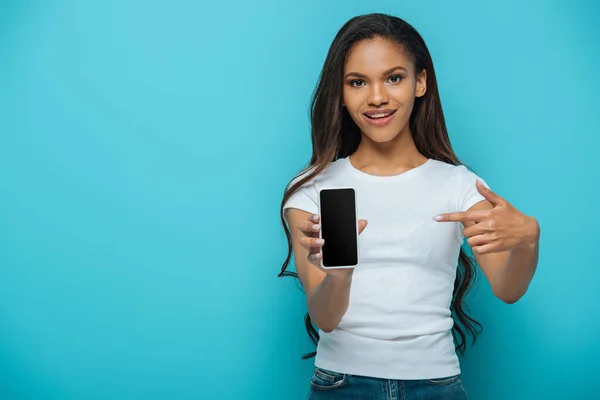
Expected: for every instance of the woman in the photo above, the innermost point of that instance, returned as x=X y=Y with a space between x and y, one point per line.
x=391 y=327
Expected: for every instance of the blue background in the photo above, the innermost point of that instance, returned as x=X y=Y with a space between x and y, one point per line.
x=144 y=148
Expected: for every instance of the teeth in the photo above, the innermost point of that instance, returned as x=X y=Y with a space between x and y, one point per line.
x=378 y=115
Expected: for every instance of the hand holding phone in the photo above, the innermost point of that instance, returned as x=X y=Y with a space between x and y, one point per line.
x=311 y=228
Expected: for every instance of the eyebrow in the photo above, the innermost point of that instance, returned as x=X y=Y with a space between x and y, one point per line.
x=364 y=76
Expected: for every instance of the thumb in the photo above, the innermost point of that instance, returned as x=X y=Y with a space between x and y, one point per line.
x=362 y=224
x=490 y=196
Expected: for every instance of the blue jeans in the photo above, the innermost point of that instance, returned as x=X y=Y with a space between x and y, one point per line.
x=329 y=385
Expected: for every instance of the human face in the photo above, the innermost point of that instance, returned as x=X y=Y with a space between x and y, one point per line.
x=379 y=79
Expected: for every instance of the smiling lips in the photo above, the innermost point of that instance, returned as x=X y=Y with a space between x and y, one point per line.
x=379 y=117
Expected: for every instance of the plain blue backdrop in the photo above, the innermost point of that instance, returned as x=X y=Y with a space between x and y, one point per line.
x=144 y=149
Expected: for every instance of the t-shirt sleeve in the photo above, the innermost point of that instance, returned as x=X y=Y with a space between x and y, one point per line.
x=305 y=198
x=468 y=195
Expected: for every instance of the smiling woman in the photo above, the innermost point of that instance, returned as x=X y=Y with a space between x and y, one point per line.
x=381 y=99
x=393 y=324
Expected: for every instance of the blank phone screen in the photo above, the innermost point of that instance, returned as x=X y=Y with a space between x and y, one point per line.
x=338 y=227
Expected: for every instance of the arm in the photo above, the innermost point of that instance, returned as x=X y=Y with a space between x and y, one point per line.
x=327 y=291
x=505 y=243
x=328 y=302
x=509 y=272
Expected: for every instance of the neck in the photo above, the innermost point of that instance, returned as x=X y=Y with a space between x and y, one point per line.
x=389 y=158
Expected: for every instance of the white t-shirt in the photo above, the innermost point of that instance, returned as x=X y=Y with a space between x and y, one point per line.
x=398 y=323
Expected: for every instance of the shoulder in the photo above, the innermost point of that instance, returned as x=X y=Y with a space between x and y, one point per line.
x=305 y=197
x=456 y=173
x=332 y=169
x=462 y=182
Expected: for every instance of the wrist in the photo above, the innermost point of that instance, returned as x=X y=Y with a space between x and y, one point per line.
x=342 y=275
x=532 y=235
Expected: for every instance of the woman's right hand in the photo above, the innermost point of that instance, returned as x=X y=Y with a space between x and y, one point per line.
x=311 y=241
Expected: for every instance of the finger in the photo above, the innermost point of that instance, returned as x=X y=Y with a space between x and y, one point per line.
x=463 y=216
x=309 y=228
x=479 y=240
x=315 y=257
x=362 y=224
x=309 y=242
x=486 y=249
x=475 y=229
x=490 y=196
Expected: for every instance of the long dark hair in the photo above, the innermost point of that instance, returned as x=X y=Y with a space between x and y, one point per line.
x=329 y=119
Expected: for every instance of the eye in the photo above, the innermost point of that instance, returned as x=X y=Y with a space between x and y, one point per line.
x=396 y=78
x=352 y=83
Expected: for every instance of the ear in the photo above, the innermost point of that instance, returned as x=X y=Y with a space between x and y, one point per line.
x=421 y=88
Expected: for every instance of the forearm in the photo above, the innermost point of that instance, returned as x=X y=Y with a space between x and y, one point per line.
x=513 y=278
x=328 y=302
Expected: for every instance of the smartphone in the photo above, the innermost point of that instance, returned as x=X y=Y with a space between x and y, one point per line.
x=339 y=227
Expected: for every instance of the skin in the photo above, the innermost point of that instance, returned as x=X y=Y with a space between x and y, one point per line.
x=505 y=242
x=390 y=149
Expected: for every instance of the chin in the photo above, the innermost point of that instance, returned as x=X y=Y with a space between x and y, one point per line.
x=382 y=137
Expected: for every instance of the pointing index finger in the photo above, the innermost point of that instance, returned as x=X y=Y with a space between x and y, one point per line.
x=462 y=216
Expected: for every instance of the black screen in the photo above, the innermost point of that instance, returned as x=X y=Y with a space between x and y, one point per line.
x=338 y=227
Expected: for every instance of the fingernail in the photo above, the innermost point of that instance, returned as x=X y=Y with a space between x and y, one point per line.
x=319 y=241
x=438 y=218
x=315 y=218
x=316 y=227
x=318 y=255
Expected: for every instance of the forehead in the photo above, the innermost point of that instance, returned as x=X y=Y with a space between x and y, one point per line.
x=376 y=55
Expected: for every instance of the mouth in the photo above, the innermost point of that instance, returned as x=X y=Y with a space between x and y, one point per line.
x=379 y=117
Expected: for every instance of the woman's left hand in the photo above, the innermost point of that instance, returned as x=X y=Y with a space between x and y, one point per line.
x=497 y=229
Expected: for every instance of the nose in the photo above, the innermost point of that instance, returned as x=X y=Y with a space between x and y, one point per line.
x=378 y=95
